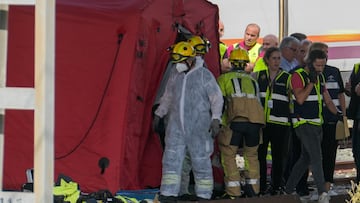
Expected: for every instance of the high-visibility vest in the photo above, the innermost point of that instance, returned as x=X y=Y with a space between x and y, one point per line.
x=253 y=52
x=275 y=97
x=242 y=99
x=222 y=50
x=311 y=110
x=260 y=65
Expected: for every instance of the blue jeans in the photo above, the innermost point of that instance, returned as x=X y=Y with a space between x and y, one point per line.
x=310 y=137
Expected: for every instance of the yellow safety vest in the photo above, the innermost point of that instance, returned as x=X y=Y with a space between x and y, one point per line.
x=242 y=99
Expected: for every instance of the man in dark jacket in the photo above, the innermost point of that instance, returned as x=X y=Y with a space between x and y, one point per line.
x=353 y=90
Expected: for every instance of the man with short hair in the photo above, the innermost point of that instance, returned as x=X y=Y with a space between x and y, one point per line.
x=269 y=40
x=250 y=44
x=289 y=47
x=309 y=90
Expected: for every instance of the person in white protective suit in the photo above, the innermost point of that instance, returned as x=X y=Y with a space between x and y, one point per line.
x=201 y=46
x=193 y=103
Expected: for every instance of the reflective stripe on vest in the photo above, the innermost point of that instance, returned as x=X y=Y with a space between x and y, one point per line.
x=238 y=89
x=237 y=84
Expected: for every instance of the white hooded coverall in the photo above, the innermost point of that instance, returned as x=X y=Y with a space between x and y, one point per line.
x=191 y=100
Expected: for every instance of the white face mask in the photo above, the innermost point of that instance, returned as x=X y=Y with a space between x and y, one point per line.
x=181 y=67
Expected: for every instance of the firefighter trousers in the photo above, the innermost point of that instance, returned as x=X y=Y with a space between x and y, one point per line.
x=232 y=137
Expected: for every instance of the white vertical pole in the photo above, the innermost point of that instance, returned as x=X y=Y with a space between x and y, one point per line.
x=3 y=57
x=44 y=100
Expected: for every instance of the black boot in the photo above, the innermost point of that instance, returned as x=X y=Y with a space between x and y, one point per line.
x=248 y=190
x=167 y=199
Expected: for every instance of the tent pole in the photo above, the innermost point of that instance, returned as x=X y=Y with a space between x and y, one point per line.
x=283 y=19
x=3 y=57
x=44 y=100
x=44 y=96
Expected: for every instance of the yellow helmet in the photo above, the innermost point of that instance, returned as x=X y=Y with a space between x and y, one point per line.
x=181 y=51
x=239 y=57
x=200 y=44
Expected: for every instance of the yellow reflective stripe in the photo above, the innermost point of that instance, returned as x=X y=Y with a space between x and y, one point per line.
x=233 y=184
x=299 y=121
x=169 y=179
x=205 y=184
x=280 y=97
x=332 y=85
x=320 y=98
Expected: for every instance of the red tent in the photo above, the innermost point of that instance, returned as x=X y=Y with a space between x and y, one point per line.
x=109 y=59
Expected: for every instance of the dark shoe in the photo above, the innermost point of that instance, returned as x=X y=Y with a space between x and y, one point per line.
x=266 y=191
x=188 y=197
x=200 y=199
x=304 y=192
x=248 y=190
x=277 y=191
x=167 y=199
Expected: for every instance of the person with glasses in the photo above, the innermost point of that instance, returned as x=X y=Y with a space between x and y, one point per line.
x=289 y=47
x=302 y=187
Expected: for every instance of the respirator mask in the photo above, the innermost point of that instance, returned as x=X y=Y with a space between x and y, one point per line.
x=181 y=67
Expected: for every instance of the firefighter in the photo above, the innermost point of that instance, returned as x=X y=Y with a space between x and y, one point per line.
x=242 y=121
x=193 y=102
x=201 y=46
